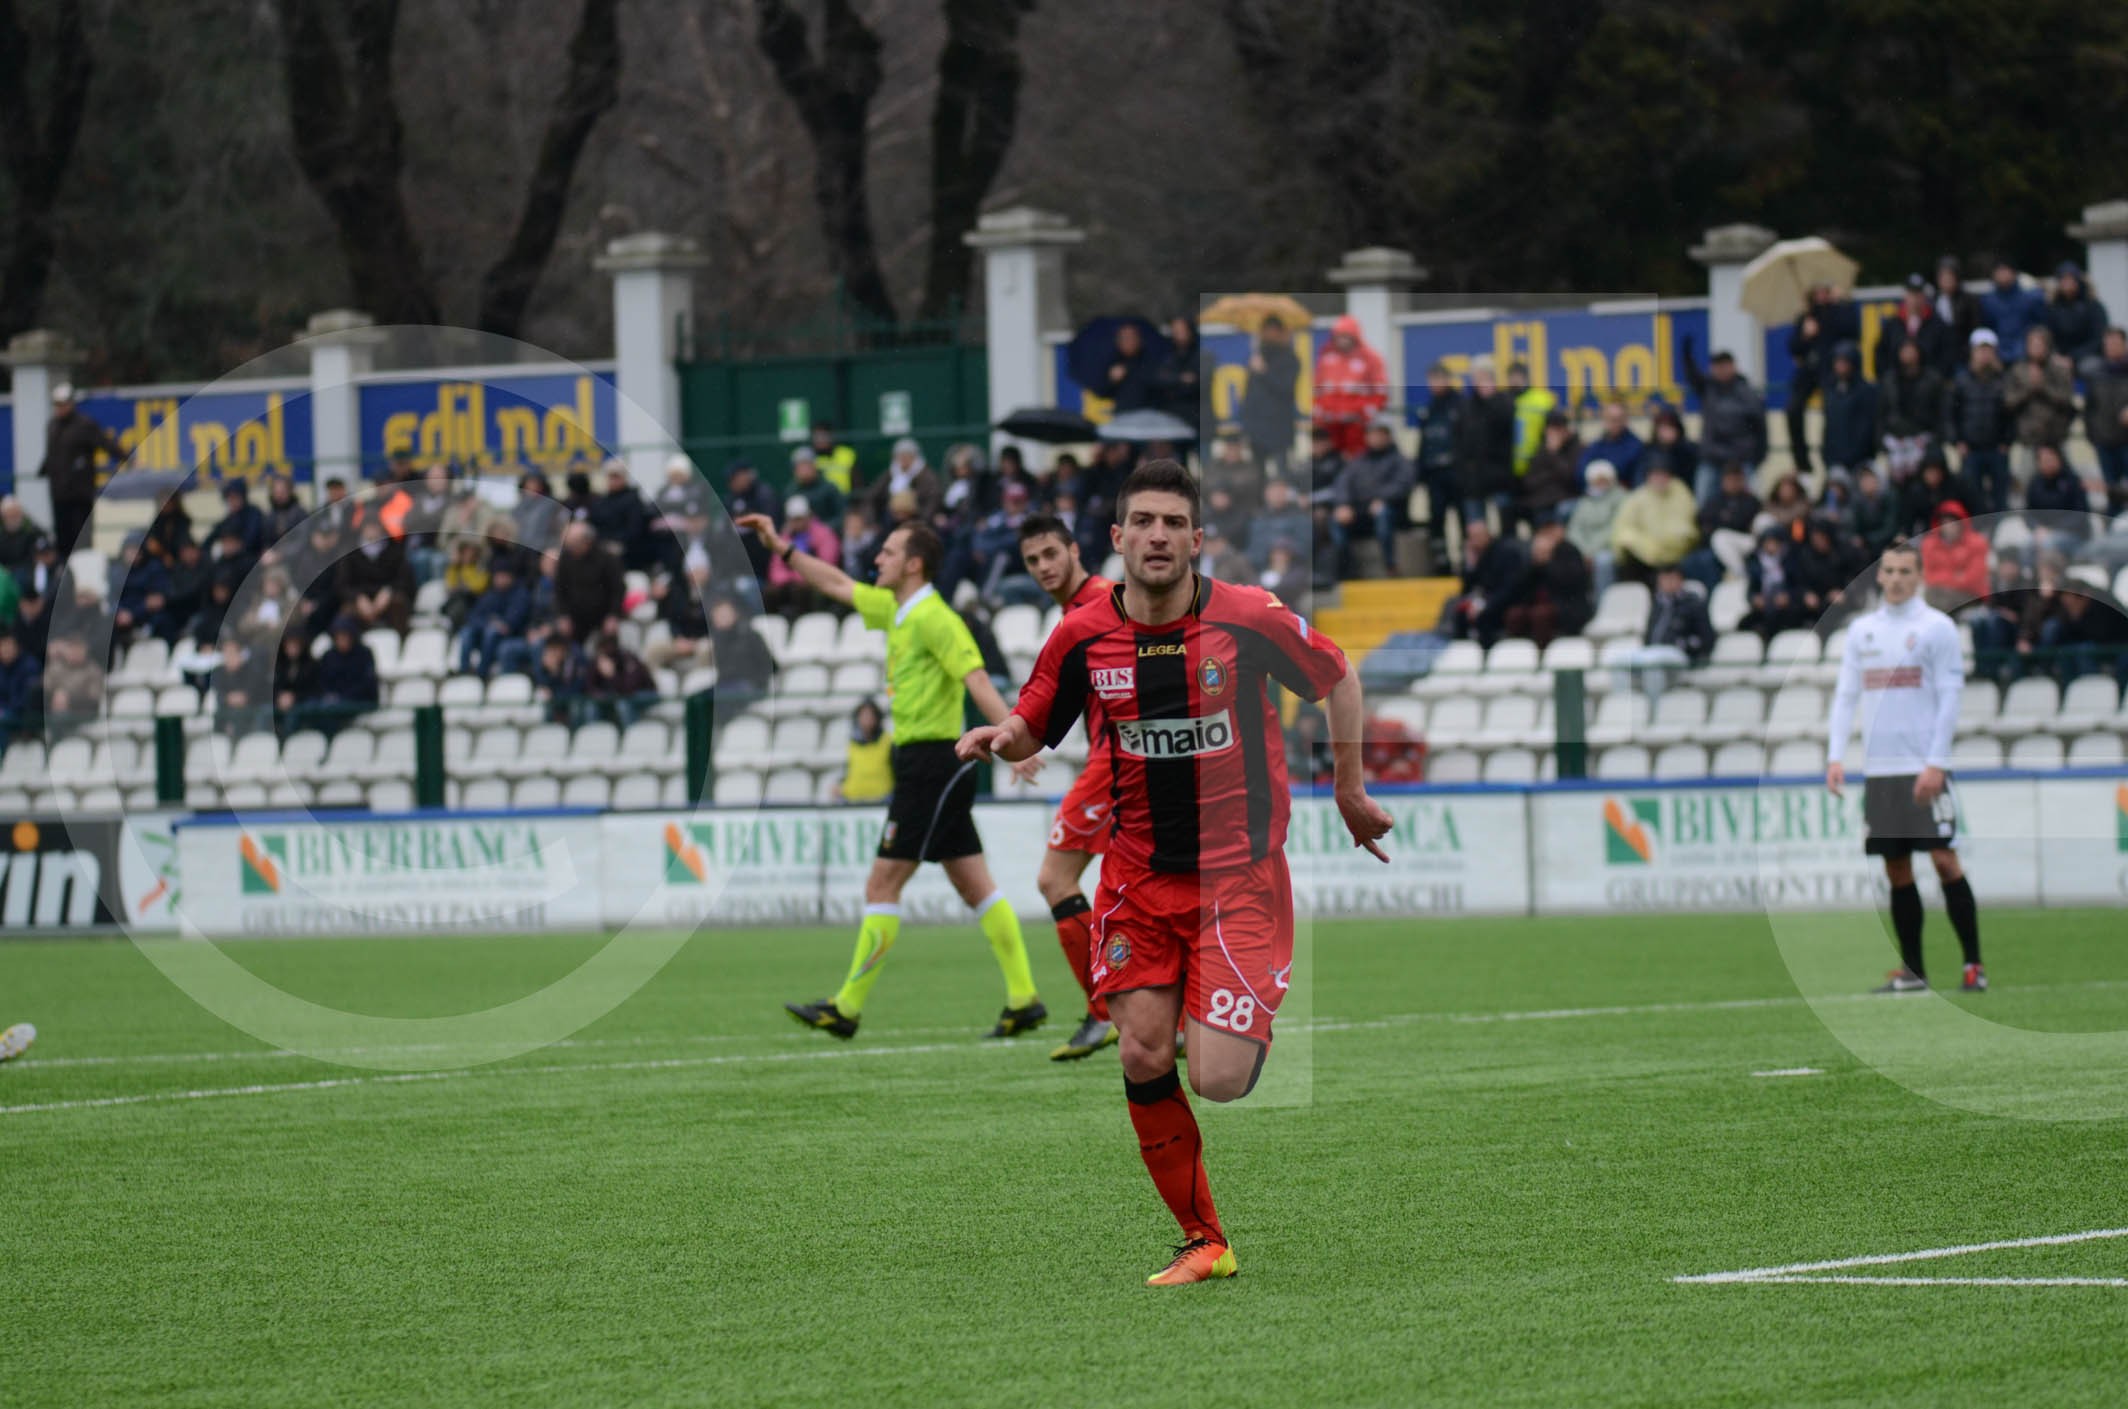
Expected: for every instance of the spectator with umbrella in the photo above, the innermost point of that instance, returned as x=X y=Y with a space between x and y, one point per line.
x=1118 y=359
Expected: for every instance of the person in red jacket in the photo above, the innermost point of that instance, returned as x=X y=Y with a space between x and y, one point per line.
x=1954 y=559
x=1351 y=385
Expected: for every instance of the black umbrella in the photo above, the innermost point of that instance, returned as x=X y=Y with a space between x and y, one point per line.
x=1051 y=425
x=1092 y=350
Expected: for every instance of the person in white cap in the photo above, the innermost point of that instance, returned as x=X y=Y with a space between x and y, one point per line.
x=1976 y=421
x=907 y=471
x=16 y=1040
x=71 y=444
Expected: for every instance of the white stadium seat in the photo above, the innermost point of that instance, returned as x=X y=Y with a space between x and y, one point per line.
x=1736 y=715
x=1454 y=766
x=1796 y=759
x=536 y=792
x=1623 y=611
x=1680 y=716
x=637 y=790
x=587 y=790
x=1620 y=717
x=1454 y=720
x=591 y=748
x=2036 y=751
x=1972 y=753
x=1511 y=766
x=485 y=794
x=2088 y=703
x=1623 y=763
x=1740 y=759
x=2027 y=705
x=391 y=795
x=737 y=787
x=2097 y=751
x=1513 y=721
x=1681 y=761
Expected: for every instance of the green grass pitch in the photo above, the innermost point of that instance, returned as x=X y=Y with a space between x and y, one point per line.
x=695 y=1202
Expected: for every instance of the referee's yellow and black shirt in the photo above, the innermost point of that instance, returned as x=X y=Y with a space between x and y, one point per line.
x=929 y=654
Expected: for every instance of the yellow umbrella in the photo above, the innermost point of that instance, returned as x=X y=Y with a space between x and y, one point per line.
x=1777 y=285
x=1247 y=311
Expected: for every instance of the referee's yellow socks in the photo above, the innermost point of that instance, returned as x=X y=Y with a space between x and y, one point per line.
x=1002 y=928
x=882 y=926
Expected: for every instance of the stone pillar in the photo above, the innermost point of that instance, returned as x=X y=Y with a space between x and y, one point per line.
x=653 y=299
x=41 y=360
x=1023 y=298
x=2104 y=231
x=342 y=345
x=1725 y=251
x=1376 y=281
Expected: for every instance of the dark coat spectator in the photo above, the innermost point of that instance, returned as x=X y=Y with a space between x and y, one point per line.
x=71 y=443
x=284 y=513
x=1827 y=323
x=1283 y=519
x=1553 y=478
x=1911 y=399
x=1733 y=508
x=1872 y=516
x=1132 y=378
x=744 y=663
x=1377 y=475
x=1974 y=416
x=1269 y=405
x=1670 y=447
x=347 y=672
x=617 y=673
x=1555 y=598
x=33 y=624
x=500 y=614
x=589 y=587
x=1618 y=446
x=2106 y=409
x=1851 y=415
x=2011 y=309
x=537 y=517
x=2040 y=392
x=206 y=624
x=1770 y=587
x=18 y=535
x=140 y=589
x=1677 y=616
x=241 y=520
x=620 y=518
x=1928 y=491
x=2077 y=320
x=683 y=605
x=1824 y=567
x=1493 y=573
x=2055 y=490
x=829 y=503
x=559 y=671
x=1732 y=415
x=1176 y=381
x=242 y=684
x=1955 y=308
x=21 y=684
x=1326 y=466
x=1916 y=322
x=1485 y=438
x=375 y=582
x=295 y=673
x=73 y=681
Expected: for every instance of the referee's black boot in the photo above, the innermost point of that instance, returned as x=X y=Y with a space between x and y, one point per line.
x=825 y=1016
x=1014 y=1021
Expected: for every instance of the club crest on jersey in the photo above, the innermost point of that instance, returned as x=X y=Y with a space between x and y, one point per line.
x=1116 y=683
x=1212 y=676
x=1118 y=952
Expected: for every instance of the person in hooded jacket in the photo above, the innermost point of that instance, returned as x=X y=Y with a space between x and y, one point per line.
x=1825 y=324
x=1909 y=410
x=1351 y=385
x=1916 y=322
x=1927 y=492
x=2077 y=320
x=1958 y=310
x=1977 y=423
x=1372 y=492
x=1954 y=559
x=1269 y=404
x=1851 y=415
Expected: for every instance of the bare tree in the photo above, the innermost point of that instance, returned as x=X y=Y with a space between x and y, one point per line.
x=593 y=86
x=833 y=93
x=972 y=119
x=348 y=141
x=37 y=149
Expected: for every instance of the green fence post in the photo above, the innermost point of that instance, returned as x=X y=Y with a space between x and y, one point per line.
x=701 y=737
x=1570 y=723
x=169 y=760
x=428 y=756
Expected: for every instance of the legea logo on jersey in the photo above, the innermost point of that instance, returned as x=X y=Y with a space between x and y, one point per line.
x=1630 y=830
x=1175 y=738
x=1116 y=683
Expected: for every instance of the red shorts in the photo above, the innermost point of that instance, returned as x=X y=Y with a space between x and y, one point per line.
x=1082 y=818
x=1226 y=936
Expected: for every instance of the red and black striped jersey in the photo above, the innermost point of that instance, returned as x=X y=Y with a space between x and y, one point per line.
x=1199 y=759
x=1092 y=592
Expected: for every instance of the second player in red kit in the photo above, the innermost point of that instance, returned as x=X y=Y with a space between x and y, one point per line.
x=1195 y=911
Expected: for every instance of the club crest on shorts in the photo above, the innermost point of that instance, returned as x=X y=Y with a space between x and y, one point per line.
x=1118 y=951
x=1212 y=676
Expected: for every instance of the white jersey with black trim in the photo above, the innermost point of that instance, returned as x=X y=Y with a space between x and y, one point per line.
x=1905 y=666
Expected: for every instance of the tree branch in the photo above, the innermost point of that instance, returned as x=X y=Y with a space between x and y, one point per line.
x=593 y=85
x=37 y=153
x=972 y=122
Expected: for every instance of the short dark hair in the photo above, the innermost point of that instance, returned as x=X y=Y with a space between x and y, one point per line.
x=1159 y=477
x=1906 y=546
x=923 y=544
x=1041 y=525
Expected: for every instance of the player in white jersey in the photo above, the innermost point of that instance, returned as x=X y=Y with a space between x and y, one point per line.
x=1904 y=665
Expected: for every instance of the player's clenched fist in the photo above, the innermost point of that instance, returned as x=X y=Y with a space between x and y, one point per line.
x=981 y=742
x=764 y=528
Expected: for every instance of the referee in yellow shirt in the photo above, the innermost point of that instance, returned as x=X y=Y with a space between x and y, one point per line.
x=931 y=660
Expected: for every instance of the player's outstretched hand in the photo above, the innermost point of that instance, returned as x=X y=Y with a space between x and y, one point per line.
x=980 y=742
x=763 y=528
x=1365 y=819
x=1028 y=768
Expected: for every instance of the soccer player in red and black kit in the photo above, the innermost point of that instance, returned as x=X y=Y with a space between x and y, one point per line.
x=1080 y=831
x=1195 y=911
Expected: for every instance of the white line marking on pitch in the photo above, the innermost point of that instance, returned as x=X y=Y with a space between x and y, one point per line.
x=402 y=1078
x=1797 y=1272
x=1792 y=1071
x=1622 y=1010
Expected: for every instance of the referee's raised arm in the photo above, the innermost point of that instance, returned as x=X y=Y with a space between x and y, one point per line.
x=822 y=576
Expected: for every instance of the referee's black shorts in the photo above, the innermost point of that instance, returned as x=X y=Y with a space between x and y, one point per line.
x=932 y=814
x=1895 y=825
